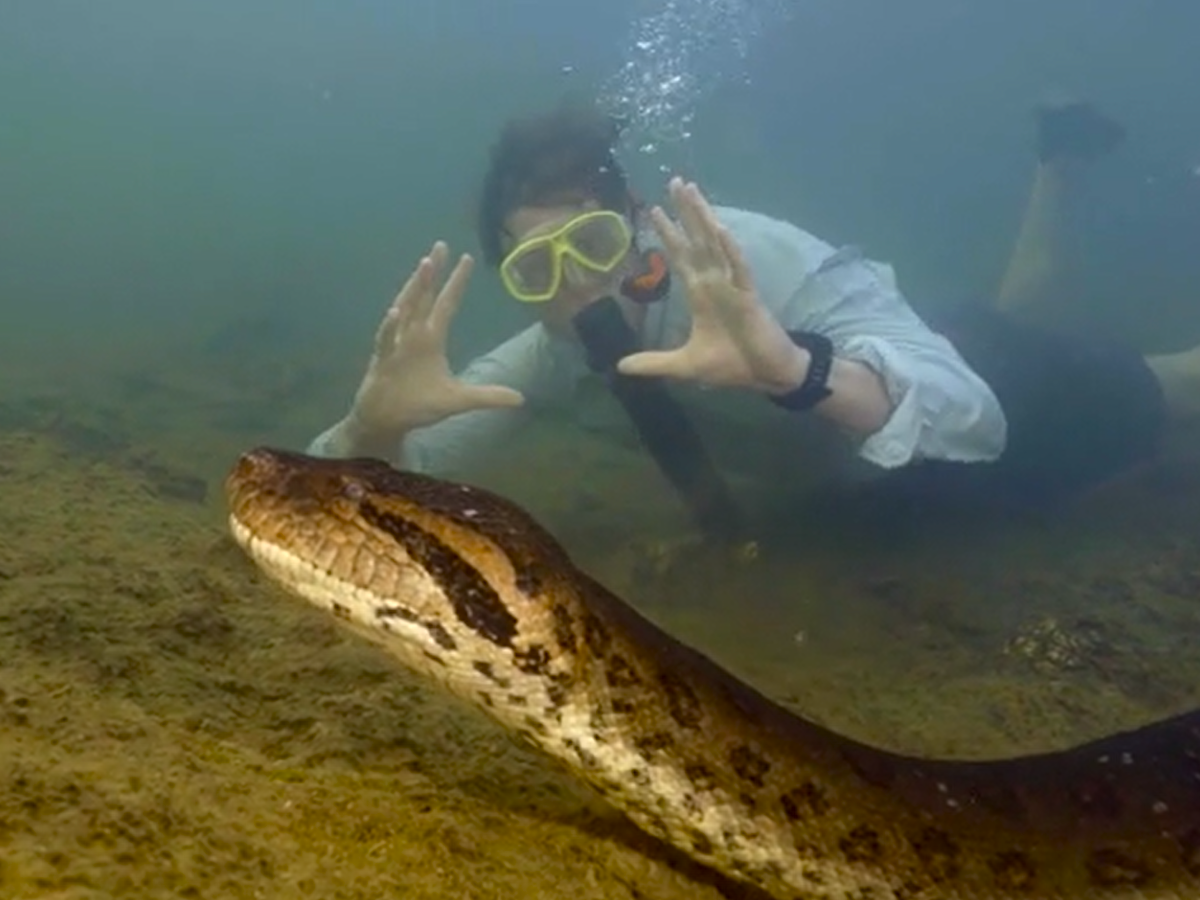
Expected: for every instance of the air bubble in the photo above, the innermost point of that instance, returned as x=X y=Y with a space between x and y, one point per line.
x=677 y=56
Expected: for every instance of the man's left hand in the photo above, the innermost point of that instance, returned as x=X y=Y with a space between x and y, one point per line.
x=734 y=340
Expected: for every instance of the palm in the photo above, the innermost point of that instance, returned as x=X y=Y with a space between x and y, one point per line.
x=734 y=341
x=409 y=382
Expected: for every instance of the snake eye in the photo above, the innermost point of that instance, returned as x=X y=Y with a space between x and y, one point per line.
x=353 y=490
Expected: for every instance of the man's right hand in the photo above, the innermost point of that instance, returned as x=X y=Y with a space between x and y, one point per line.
x=408 y=383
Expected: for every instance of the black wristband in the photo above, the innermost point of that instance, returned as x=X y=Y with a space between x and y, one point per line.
x=815 y=386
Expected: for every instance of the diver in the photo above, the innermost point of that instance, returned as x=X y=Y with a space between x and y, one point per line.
x=979 y=400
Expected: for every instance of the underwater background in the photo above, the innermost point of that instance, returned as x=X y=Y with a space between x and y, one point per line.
x=204 y=209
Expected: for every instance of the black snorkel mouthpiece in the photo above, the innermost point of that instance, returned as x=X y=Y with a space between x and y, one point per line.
x=661 y=423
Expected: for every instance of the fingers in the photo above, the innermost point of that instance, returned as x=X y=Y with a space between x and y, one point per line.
x=434 y=263
x=697 y=216
x=450 y=297
x=684 y=196
x=385 y=334
x=673 y=239
x=739 y=270
x=490 y=396
x=654 y=364
x=406 y=305
x=418 y=301
x=399 y=313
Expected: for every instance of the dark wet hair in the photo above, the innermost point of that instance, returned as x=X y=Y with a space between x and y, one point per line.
x=564 y=156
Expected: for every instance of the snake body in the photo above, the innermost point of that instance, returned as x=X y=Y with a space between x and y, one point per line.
x=467 y=590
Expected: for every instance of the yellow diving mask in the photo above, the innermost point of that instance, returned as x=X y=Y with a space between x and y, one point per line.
x=595 y=241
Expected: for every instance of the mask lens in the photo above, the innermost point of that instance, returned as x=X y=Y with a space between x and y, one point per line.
x=530 y=273
x=599 y=241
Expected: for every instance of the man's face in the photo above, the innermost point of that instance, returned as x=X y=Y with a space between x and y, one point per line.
x=578 y=285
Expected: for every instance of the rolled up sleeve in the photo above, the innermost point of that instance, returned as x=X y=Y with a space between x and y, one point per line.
x=941 y=409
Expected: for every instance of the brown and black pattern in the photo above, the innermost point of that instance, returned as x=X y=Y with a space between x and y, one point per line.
x=564 y=628
x=808 y=799
x=475 y=601
x=620 y=674
x=435 y=629
x=682 y=702
x=938 y=854
x=700 y=758
x=1013 y=871
x=862 y=844
x=654 y=743
x=700 y=776
x=532 y=660
x=749 y=765
x=488 y=671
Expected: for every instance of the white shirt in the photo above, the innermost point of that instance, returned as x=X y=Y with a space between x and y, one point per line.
x=942 y=409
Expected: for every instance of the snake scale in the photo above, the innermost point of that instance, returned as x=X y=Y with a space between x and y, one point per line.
x=467 y=590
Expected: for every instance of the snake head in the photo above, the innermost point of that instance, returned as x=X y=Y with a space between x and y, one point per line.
x=271 y=491
x=372 y=542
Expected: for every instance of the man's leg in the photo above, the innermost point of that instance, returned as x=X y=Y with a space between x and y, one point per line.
x=1069 y=136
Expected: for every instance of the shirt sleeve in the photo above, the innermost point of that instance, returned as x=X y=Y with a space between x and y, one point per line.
x=942 y=409
x=543 y=368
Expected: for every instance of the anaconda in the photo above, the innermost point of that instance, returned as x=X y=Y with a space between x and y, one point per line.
x=465 y=588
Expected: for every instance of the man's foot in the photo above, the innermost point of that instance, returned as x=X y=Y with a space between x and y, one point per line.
x=1075 y=129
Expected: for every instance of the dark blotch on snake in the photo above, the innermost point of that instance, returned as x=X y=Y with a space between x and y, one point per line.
x=749 y=765
x=1012 y=870
x=485 y=669
x=556 y=693
x=700 y=776
x=682 y=702
x=529 y=582
x=475 y=602
x=564 y=628
x=1114 y=868
x=861 y=845
x=441 y=636
x=620 y=674
x=650 y=744
x=804 y=801
x=534 y=724
x=595 y=635
x=700 y=842
x=586 y=758
x=938 y=854
x=436 y=629
x=533 y=660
